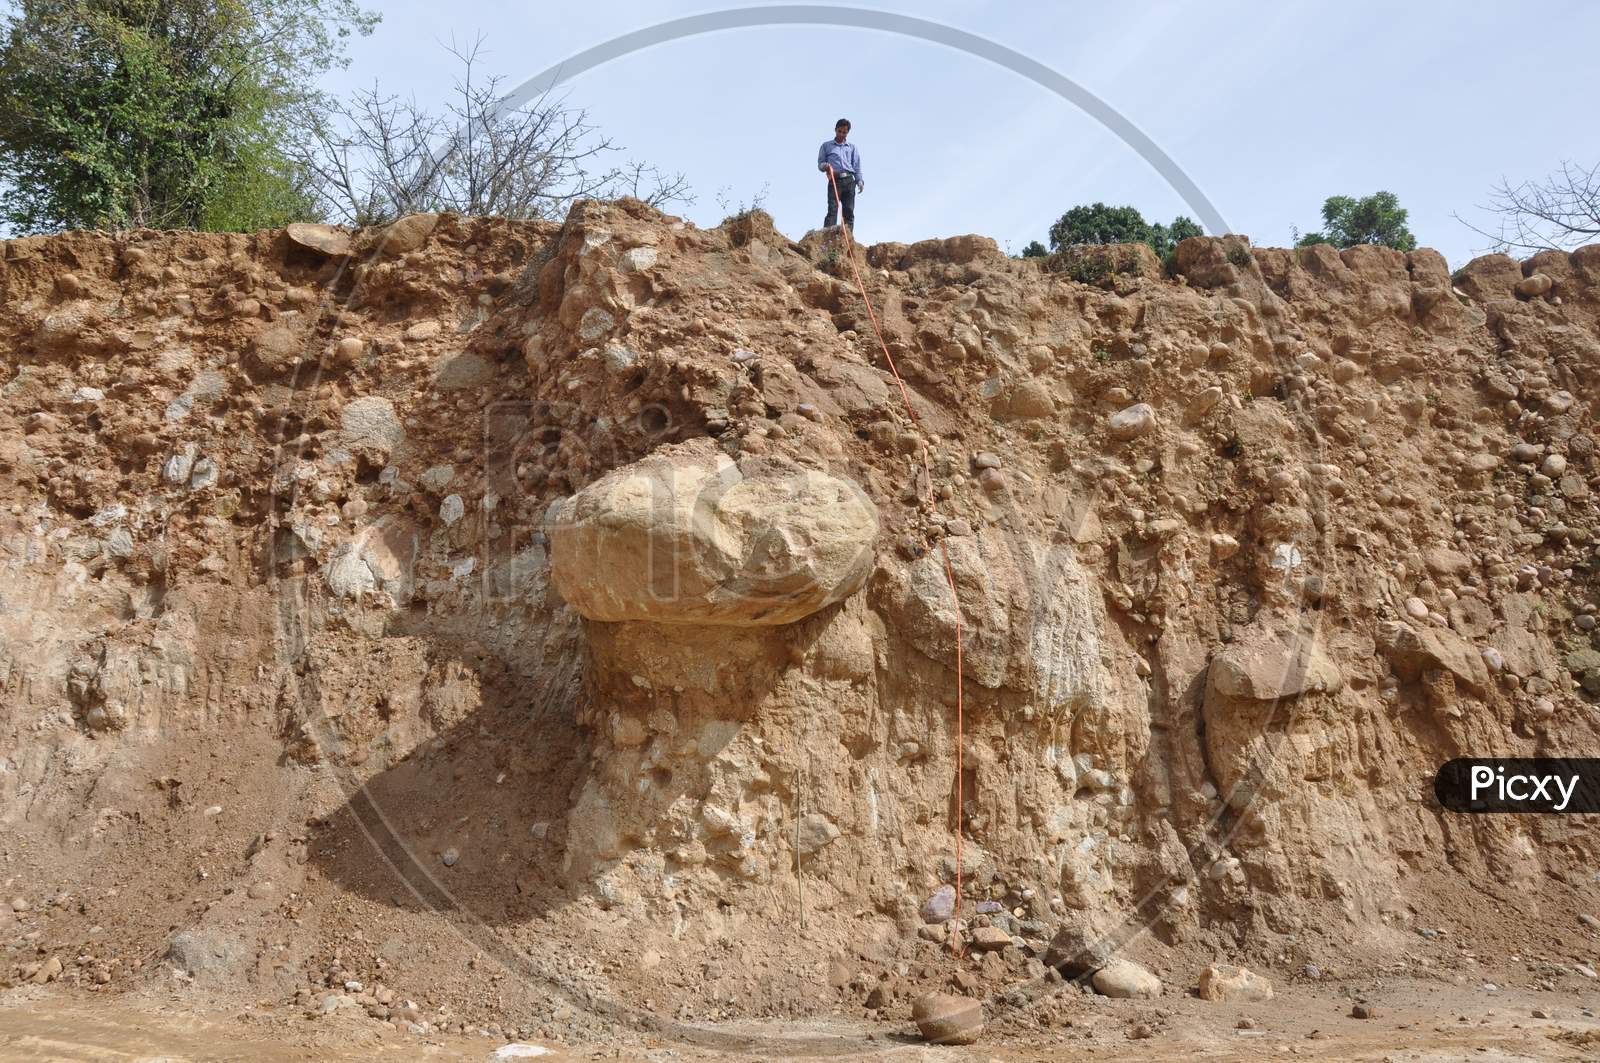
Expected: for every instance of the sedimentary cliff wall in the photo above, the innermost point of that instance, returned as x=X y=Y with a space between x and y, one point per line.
x=580 y=579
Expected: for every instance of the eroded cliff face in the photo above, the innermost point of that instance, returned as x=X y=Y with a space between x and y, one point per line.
x=577 y=577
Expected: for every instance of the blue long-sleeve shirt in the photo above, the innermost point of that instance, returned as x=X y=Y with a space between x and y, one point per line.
x=844 y=158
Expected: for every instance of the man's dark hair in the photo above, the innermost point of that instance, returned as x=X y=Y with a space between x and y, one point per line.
x=842 y=122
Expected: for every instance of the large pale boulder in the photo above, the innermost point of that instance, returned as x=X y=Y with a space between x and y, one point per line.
x=1135 y=421
x=324 y=239
x=1413 y=650
x=1229 y=984
x=407 y=233
x=371 y=425
x=1534 y=286
x=943 y=1019
x=1261 y=741
x=1079 y=948
x=1126 y=980
x=1266 y=665
x=683 y=536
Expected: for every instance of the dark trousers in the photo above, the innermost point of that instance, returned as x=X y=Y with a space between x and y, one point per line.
x=847 y=193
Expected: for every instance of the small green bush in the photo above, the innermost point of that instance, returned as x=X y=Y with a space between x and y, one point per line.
x=1094 y=264
x=1085 y=268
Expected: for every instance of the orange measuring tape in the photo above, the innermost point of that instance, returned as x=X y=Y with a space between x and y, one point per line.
x=949 y=570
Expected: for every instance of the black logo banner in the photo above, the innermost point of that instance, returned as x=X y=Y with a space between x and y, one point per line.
x=1519 y=784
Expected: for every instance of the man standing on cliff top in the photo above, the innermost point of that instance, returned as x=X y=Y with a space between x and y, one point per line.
x=846 y=162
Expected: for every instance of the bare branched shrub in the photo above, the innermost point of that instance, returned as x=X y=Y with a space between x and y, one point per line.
x=378 y=157
x=1559 y=212
x=737 y=208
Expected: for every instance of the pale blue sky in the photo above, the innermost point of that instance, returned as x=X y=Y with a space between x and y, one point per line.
x=1269 y=107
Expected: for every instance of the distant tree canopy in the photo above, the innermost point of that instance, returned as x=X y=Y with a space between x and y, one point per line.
x=1374 y=219
x=1100 y=224
x=1034 y=250
x=163 y=113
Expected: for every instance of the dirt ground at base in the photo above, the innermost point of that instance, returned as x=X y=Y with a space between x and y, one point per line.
x=1413 y=1020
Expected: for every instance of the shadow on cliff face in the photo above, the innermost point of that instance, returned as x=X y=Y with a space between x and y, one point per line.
x=474 y=820
x=467 y=822
x=478 y=823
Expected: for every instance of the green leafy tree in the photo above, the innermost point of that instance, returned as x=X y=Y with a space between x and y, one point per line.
x=1100 y=224
x=1166 y=238
x=1374 y=219
x=1034 y=250
x=163 y=113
